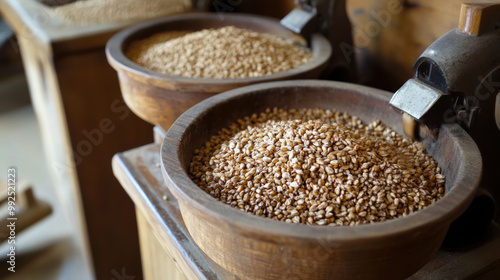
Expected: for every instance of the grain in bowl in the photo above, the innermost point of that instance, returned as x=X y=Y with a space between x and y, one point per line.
x=222 y=53
x=315 y=166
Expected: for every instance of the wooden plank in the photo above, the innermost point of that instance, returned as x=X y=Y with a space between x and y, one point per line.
x=139 y=173
x=50 y=114
x=479 y=18
x=100 y=125
x=479 y=261
x=156 y=262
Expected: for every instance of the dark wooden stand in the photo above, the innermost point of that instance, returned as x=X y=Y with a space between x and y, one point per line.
x=165 y=240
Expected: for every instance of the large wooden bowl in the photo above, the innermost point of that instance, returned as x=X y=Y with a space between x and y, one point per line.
x=159 y=99
x=253 y=247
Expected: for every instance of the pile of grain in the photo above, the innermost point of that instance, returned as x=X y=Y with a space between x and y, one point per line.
x=85 y=12
x=223 y=53
x=317 y=167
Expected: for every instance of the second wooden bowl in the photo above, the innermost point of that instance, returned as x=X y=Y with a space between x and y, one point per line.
x=159 y=99
x=253 y=247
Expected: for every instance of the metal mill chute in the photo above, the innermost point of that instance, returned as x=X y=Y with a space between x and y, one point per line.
x=328 y=17
x=457 y=80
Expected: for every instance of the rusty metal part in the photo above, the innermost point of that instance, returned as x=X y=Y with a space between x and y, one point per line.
x=330 y=18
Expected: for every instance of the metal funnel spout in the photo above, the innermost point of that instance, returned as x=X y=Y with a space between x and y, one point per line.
x=419 y=100
x=328 y=17
x=300 y=21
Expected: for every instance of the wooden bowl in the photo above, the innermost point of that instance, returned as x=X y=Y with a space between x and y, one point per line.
x=159 y=99
x=253 y=247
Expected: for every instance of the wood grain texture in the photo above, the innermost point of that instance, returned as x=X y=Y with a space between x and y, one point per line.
x=479 y=18
x=390 y=35
x=481 y=261
x=140 y=175
x=46 y=102
x=252 y=247
x=160 y=99
x=156 y=262
x=100 y=125
x=138 y=172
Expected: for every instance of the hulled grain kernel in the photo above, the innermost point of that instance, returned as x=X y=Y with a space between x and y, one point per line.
x=339 y=171
x=224 y=53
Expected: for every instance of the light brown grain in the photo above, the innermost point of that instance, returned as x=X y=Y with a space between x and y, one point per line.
x=317 y=167
x=87 y=12
x=224 y=53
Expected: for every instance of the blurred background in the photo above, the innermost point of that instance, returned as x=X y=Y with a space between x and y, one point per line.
x=47 y=249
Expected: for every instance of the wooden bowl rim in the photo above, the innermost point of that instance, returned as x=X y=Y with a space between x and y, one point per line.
x=443 y=211
x=320 y=47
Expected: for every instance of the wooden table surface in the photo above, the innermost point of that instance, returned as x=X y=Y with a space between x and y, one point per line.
x=139 y=172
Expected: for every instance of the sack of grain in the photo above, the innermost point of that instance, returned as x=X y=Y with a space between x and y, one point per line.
x=87 y=12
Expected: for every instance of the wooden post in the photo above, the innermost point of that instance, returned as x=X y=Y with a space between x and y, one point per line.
x=83 y=121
